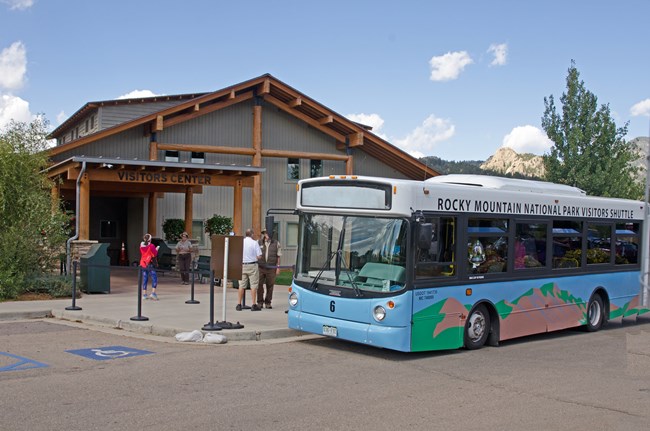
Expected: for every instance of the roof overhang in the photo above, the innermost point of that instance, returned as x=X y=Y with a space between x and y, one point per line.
x=119 y=177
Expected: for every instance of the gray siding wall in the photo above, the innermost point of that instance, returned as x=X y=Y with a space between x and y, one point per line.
x=110 y=116
x=130 y=144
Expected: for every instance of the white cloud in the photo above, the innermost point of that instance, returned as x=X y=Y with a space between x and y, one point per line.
x=641 y=108
x=372 y=120
x=135 y=94
x=14 y=108
x=422 y=141
x=13 y=66
x=448 y=66
x=18 y=4
x=61 y=117
x=527 y=139
x=500 y=53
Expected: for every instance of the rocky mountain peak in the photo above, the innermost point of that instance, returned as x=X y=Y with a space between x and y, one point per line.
x=508 y=161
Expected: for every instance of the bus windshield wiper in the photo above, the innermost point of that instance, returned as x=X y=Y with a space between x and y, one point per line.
x=355 y=287
x=314 y=282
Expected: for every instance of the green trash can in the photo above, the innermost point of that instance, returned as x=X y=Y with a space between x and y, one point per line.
x=95 y=273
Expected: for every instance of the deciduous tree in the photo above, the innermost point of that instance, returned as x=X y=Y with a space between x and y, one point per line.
x=588 y=151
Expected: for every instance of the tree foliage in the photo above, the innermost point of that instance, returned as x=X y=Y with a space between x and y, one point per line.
x=32 y=232
x=589 y=151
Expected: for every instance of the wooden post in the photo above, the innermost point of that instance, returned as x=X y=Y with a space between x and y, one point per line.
x=189 y=198
x=84 y=208
x=54 y=194
x=349 y=165
x=237 y=208
x=257 y=161
x=151 y=222
x=153 y=152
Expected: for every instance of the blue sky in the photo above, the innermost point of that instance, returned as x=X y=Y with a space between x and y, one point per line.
x=453 y=79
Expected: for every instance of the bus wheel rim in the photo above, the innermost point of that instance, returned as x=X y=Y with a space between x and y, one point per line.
x=594 y=313
x=476 y=327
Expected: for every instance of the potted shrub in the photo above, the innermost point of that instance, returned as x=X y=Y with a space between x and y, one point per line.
x=218 y=225
x=173 y=228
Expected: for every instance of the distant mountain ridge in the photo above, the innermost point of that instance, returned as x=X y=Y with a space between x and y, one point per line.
x=507 y=162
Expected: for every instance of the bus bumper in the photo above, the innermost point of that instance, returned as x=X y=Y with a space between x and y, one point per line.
x=389 y=337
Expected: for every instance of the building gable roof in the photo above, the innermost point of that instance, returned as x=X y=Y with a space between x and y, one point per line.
x=346 y=133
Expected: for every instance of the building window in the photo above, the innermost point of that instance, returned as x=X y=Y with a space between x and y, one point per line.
x=171 y=156
x=197 y=232
x=293 y=169
x=86 y=126
x=292 y=235
x=197 y=157
x=315 y=168
x=92 y=122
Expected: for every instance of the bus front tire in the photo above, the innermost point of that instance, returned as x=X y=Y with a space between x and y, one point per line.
x=595 y=314
x=477 y=328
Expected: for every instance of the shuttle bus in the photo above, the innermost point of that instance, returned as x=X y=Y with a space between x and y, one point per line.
x=460 y=260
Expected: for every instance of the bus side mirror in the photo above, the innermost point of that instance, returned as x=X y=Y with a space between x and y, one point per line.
x=425 y=231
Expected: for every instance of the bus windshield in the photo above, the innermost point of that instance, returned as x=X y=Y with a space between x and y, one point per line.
x=364 y=254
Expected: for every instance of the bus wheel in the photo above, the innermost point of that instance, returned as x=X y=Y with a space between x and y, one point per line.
x=595 y=314
x=477 y=328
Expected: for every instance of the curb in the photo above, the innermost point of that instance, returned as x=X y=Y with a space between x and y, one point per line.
x=22 y=315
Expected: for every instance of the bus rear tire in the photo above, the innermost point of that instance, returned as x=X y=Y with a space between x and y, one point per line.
x=477 y=328
x=595 y=314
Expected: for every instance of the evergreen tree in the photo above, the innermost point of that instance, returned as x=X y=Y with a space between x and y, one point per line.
x=589 y=151
x=32 y=232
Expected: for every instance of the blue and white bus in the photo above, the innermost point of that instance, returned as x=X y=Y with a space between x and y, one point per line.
x=460 y=260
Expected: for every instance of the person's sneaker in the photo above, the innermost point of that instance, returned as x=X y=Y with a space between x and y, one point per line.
x=238 y=307
x=154 y=297
x=268 y=306
x=145 y=297
x=255 y=307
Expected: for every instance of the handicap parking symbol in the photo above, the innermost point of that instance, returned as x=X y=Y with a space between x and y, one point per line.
x=109 y=352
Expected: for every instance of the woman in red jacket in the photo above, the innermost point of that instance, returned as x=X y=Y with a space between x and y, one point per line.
x=148 y=254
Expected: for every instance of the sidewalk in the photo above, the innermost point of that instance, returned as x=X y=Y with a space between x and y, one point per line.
x=168 y=316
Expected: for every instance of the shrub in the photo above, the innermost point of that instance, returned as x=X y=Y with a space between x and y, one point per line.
x=218 y=225
x=173 y=228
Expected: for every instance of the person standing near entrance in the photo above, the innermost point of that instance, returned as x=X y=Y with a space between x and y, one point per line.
x=250 y=271
x=184 y=252
x=148 y=255
x=269 y=266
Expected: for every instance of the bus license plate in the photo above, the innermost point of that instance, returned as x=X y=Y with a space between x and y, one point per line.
x=330 y=331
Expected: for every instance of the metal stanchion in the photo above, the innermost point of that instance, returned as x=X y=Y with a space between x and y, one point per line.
x=139 y=317
x=192 y=300
x=224 y=281
x=74 y=288
x=211 y=325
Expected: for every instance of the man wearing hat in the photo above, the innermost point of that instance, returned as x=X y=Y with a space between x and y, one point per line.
x=269 y=265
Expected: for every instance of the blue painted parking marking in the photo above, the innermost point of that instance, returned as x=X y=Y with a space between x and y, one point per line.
x=19 y=363
x=109 y=352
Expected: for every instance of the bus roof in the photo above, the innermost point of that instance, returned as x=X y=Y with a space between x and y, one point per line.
x=507 y=184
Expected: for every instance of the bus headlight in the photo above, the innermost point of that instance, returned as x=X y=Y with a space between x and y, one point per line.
x=379 y=313
x=293 y=299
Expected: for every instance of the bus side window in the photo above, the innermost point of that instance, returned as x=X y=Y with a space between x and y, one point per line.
x=438 y=260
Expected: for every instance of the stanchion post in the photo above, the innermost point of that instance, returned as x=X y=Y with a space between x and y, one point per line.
x=211 y=325
x=224 y=281
x=74 y=288
x=192 y=300
x=139 y=317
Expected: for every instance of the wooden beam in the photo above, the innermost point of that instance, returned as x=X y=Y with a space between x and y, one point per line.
x=197 y=108
x=119 y=189
x=295 y=102
x=303 y=117
x=237 y=208
x=355 y=139
x=189 y=195
x=349 y=166
x=208 y=109
x=207 y=149
x=158 y=125
x=152 y=214
x=326 y=120
x=302 y=155
x=266 y=87
x=153 y=150
x=257 y=161
x=84 y=208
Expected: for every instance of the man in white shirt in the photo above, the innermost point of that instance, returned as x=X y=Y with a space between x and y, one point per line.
x=250 y=271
